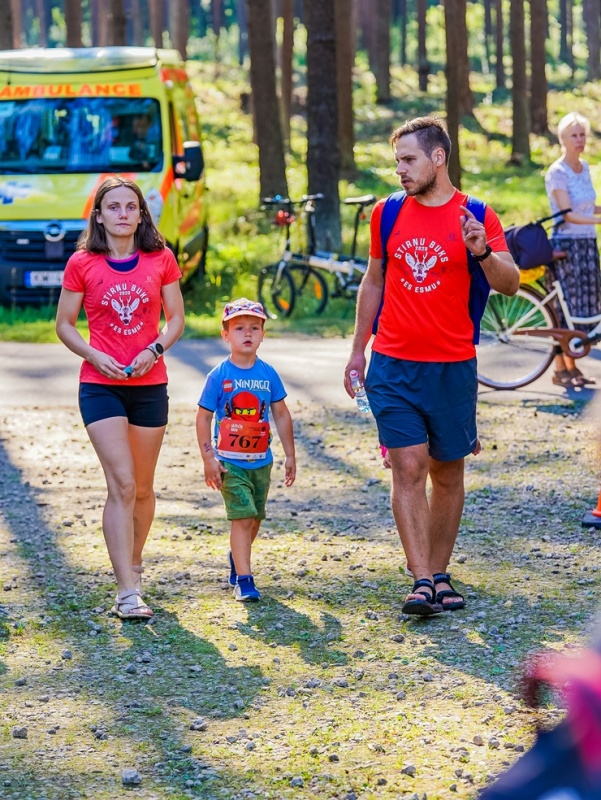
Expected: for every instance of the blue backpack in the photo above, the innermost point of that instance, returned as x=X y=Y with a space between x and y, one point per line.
x=479 y=286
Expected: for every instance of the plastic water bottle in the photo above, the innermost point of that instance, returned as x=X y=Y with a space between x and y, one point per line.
x=359 y=390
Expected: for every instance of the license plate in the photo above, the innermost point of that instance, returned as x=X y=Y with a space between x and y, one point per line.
x=51 y=278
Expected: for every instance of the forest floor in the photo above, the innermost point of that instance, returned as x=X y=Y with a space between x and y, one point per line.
x=323 y=689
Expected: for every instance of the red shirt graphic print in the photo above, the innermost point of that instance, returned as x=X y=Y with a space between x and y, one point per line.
x=123 y=308
x=425 y=316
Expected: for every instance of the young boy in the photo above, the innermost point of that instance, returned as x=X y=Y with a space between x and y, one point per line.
x=240 y=392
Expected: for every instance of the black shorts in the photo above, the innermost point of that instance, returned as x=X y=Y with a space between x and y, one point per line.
x=145 y=406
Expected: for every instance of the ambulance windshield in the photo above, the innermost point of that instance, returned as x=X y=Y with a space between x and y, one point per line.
x=84 y=134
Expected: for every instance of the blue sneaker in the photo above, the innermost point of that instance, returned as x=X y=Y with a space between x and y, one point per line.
x=245 y=589
x=233 y=577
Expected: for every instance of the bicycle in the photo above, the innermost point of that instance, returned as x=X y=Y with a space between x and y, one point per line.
x=520 y=336
x=294 y=282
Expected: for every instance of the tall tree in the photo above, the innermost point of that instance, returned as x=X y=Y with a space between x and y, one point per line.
x=538 y=76
x=179 y=25
x=17 y=24
x=566 y=53
x=403 y=30
x=73 y=22
x=242 y=31
x=157 y=21
x=423 y=68
x=381 y=54
x=453 y=8
x=286 y=58
x=499 y=46
x=117 y=23
x=272 y=164
x=520 y=143
x=345 y=58
x=488 y=33
x=6 y=29
x=323 y=158
x=366 y=22
x=591 y=12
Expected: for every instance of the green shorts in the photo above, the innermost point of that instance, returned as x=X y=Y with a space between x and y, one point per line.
x=245 y=491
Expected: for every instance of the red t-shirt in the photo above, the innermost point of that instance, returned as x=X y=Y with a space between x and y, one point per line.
x=123 y=308
x=425 y=314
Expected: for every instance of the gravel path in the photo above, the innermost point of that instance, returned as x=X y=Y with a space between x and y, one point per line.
x=323 y=690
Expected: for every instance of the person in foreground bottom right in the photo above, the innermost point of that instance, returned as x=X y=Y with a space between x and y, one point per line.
x=564 y=763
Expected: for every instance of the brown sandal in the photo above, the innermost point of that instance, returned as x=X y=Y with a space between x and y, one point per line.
x=561 y=377
x=579 y=379
x=129 y=605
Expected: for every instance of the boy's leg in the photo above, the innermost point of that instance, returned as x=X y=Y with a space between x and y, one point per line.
x=243 y=532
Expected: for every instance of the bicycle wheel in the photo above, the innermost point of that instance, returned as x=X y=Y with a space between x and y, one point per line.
x=508 y=357
x=276 y=291
x=311 y=290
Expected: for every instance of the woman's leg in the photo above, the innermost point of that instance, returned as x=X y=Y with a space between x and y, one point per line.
x=145 y=448
x=110 y=438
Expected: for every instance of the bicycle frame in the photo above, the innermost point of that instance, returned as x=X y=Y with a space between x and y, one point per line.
x=582 y=342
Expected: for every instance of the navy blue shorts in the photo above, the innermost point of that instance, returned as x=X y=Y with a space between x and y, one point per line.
x=145 y=406
x=420 y=402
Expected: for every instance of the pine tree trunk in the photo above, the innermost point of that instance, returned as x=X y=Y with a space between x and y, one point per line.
x=6 y=29
x=180 y=25
x=367 y=28
x=591 y=11
x=403 y=28
x=17 y=24
x=423 y=68
x=538 y=77
x=286 y=57
x=520 y=153
x=500 y=42
x=323 y=158
x=157 y=21
x=488 y=34
x=242 y=31
x=116 y=23
x=453 y=96
x=345 y=58
x=383 y=23
x=73 y=23
x=266 y=111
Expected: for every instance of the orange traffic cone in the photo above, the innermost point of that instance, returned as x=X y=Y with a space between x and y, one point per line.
x=592 y=519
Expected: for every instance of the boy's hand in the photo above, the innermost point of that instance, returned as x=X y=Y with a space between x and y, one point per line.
x=214 y=469
x=477 y=449
x=290 y=470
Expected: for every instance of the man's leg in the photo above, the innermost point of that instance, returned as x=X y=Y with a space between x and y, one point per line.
x=446 y=508
x=410 y=507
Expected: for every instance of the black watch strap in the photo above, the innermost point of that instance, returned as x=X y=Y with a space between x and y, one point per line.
x=484 y=255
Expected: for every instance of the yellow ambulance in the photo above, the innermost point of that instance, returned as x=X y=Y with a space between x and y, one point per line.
x=69 y=118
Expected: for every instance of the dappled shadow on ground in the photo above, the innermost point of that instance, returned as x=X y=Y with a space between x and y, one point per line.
x=116 y=669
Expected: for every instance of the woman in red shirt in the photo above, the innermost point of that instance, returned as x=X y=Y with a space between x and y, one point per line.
x=123 y=276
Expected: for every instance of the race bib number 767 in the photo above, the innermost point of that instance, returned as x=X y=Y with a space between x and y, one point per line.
x=246 y=441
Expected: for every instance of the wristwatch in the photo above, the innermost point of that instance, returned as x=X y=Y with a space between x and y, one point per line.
x=484 y=255
x=156 y=349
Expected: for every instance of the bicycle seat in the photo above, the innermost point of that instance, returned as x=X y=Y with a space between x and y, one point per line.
x=364 y=200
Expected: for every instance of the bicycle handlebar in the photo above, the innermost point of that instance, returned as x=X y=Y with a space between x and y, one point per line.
x=278 y=200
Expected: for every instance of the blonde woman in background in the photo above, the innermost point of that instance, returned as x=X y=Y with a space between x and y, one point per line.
x=569 y=185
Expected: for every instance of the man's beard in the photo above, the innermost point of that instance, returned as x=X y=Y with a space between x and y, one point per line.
x=424 y=187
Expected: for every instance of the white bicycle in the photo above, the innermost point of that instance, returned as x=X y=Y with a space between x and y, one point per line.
x=520 y=335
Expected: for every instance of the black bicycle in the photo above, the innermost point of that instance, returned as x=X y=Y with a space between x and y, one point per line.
x=296 y=282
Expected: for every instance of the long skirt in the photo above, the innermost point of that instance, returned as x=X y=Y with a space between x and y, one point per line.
x=579 y=276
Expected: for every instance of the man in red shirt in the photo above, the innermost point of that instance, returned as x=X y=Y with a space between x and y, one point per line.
x=422 y=382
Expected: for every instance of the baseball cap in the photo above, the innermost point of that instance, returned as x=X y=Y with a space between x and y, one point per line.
x=243 y=307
